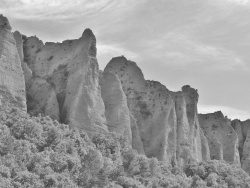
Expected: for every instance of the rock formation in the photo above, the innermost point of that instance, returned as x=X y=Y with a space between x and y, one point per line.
x=243 y=131
x=117 y=114
x=228 y=140
x=151 y=105
x=116 y=110
x=236 y=124
x=222 y=138
x=12 y=85
x=167 y=121
x=65 y=83
x=191 y=138
x=19 y=44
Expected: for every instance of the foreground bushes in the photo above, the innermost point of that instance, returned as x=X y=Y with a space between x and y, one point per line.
x=218 y=174
x=38 y=152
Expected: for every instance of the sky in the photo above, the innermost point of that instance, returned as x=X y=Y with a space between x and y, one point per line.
x=201 y=43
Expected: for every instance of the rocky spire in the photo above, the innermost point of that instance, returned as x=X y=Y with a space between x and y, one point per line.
x=12 y=85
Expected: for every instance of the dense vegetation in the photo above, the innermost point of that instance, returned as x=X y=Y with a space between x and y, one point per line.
x=38 y=152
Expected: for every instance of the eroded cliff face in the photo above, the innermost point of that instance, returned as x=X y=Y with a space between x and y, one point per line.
x=116 y=110
x=119 y=119
x=152 y=106
x=191 y=143
x=236 y=124
x=12 y=85
x=62 y=80
x=222 y=138
x=65 y=83
x=167 y=121
x=242 y=128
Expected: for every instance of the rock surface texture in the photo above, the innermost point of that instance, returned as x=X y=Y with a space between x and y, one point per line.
x=152 y=106
x=65 y=83
x=191 y=140
x=167 y=121
x=222 y=138
x=228 y=140
x=116 y=109
x=19 y=44
x=242 y=129
x=12 y=84
x=118 y=116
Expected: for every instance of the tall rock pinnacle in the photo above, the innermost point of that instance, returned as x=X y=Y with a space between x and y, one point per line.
x=65 y=81
x=12 y=85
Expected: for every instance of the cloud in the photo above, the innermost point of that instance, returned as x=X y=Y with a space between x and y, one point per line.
x=62 y=9
x=240 y=2
x=55 y=9
x=231 y=113
x=184 y=51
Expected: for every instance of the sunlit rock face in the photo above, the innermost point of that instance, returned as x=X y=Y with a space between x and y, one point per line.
x=65 y=81
x=19 y=38
x=167 y=121
x=236 y=124
x=118 y=116
x=12 y=85
x=191 y=143
x=222 y=138
x=116 y=110
x=152 y=106
x=242 y=128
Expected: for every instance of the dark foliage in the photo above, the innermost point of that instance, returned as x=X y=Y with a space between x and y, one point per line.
x=38 y=152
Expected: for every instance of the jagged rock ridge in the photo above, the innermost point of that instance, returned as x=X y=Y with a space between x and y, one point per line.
x=62 y=80
x=65 y=83
x=167 y=121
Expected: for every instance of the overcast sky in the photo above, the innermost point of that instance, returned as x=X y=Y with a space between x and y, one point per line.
x=202 y=43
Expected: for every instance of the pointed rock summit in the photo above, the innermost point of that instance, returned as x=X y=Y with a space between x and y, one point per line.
x=4 y=23
x=65 y=83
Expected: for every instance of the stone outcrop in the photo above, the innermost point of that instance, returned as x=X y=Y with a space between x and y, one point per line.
x=245 y=160
x=242 y=128
x=236 y=124
x=222 y=138
x=204 y=146
x=65 y=81
x=136 y=138
x=19 y=44
x=192 y=145
x=152 y=106
x=228 y=140
x=118 y=116
x=167 y=121
x=116 y=111
x=12 y=85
